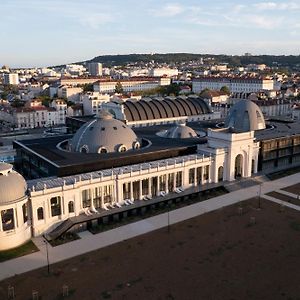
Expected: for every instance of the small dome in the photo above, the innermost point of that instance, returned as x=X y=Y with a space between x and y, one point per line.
x=12 y=185
x=245 y=116
x=179 y=131
x=104 y=135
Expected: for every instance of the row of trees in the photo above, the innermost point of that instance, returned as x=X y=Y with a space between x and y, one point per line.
x=167 y=90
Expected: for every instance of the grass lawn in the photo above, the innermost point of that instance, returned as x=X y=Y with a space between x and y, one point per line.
x=65 y=238
x=19 y=251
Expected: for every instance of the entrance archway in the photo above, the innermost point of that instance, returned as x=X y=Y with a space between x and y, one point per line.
x=252 y=166
x=220 y=173
x=238 y=167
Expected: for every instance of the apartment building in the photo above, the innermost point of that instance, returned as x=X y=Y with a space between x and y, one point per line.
x=130 y=85
x=235 y=84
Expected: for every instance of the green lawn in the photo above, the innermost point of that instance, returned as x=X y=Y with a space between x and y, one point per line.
x=19 y=251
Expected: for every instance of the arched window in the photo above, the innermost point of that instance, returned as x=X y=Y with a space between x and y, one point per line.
x=8 y=222
x=71 y=206
x=136 y=145
x=84 y=149
x=102 y=150
x=122 y=148
x=40 y=213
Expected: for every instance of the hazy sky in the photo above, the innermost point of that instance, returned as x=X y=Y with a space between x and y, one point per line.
x=48 y=32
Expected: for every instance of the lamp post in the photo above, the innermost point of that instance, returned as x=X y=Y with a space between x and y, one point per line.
x=168 y=206
x=47 y=252
x=259 y=196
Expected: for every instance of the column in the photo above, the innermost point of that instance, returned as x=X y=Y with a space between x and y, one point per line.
x=167 y=183
x=131 y=191
x=150 y=187
x=141 y=192
x=102 y=200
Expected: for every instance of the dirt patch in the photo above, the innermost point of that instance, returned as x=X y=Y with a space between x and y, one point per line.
x=284 y=198
x=294 y=189
x=238 y=252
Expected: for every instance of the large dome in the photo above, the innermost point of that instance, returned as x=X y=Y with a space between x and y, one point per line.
x=104 y=135
x=12 y=185
x=245 y=116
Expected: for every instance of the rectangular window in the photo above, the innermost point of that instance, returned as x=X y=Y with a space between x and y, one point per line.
x=126 y=190
x=162 y=183
x=108 y=194
x=179 y=179
x=7 y=217
x=136 y=190
x=145 y=186
x=55 y=204
x=97 y=197
x=199 y=175
x=192 y=176
x=171 y=182
x=86 y=198
x=206 y=172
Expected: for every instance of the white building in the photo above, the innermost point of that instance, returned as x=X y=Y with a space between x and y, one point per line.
x=235 y=84
x=130 y=85
x=159 y=72
x=36 y=207
x=60 y=107
x=71 y=93
x=92 y=102
x=11 y=78
x=95 y=69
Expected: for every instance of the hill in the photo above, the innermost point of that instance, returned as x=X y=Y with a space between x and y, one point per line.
x=169 y=58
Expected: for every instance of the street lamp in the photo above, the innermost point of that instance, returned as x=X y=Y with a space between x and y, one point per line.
x=168 y=205
x=259 y=196
x=48 y=265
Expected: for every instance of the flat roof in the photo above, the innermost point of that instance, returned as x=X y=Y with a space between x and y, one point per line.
x=75 y=163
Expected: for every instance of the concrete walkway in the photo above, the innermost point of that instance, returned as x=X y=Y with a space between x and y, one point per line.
x=89 y=242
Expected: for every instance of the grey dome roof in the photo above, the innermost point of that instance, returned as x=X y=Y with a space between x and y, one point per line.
x=245 y=116
x=12 y=185
x=180 y=131
x=104 y=133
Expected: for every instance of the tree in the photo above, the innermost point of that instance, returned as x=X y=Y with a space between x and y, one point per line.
x=119 y=88
x=225 y=89
x=88 y=87
x=17 y=103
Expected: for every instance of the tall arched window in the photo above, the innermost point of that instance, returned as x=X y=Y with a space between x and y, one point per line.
x=71 y=206
x=40 y=213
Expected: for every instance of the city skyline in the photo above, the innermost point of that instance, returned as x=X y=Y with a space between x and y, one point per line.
x=60 y=32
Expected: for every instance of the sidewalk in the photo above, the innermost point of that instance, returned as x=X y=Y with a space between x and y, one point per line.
x=89 y=242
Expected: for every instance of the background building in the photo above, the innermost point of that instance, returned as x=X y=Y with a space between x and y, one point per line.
x=95 y=69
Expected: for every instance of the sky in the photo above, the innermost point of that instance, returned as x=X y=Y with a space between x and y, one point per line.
x=37 y=33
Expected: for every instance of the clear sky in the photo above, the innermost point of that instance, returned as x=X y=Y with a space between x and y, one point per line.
x=49 y=32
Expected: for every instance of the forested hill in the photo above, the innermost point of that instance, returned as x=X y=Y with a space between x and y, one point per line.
x=269 y=60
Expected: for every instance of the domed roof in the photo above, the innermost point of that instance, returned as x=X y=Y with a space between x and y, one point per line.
x=179 y=131
x=103 y=135
x=12 y=185
x=245 y=116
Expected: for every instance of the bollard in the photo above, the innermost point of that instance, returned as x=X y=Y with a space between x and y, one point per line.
x=10 y=292
x=65 y=290
x=252 y=220
x=35 y=295
x=240 y=211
